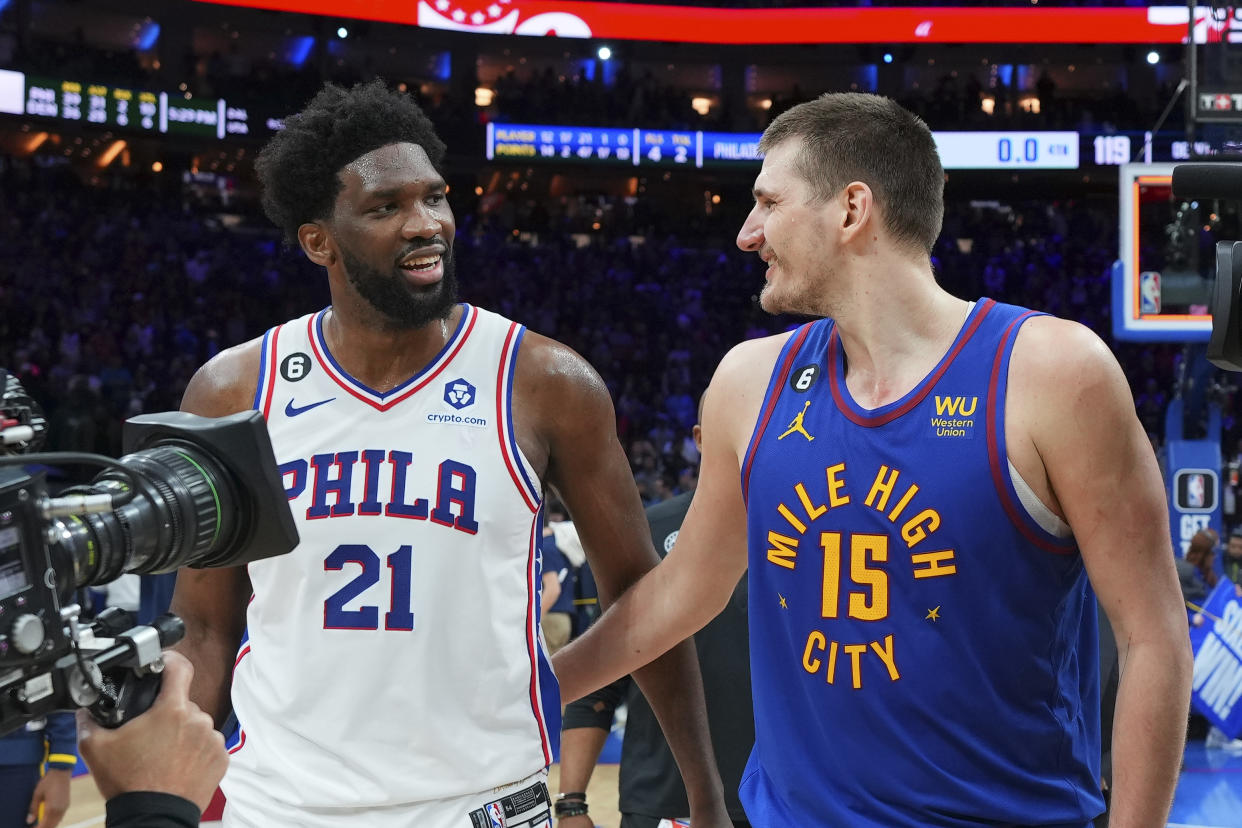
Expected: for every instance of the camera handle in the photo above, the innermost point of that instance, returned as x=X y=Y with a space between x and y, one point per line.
x=131 y=668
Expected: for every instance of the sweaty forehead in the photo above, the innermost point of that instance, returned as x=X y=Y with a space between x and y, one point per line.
x=778 y=175
x=388 y=167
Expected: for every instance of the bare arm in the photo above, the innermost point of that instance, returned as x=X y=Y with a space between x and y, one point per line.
x=580 y=749
x=573 y=413
x=212 y=602
x=584 y=730
x=693 y=583
x=1080 y=419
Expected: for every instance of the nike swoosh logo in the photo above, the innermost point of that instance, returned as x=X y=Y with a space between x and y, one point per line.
x=292 y=411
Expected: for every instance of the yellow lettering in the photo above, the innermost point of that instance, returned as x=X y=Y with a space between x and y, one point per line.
x=901 y=505
x=793 y=521
x=953 y=405
x=812 y=511
x=835 y=485
x=815 y=641
x=856 y=651
x=831 y=542
x=784 y=551
x=515 y=149
x=820 y=653
x=935 y=566
x=866 y=607
x=886 y=655
x=920 y=526
x=71 y=86
x=882 y=487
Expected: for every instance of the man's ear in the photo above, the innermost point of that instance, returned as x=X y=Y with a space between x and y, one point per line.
x=858 y=204
x=317 y=243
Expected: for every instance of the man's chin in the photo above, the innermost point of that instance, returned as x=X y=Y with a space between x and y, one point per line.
x=772 y=303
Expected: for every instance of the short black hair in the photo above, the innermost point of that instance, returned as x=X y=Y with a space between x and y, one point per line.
x=299 y=169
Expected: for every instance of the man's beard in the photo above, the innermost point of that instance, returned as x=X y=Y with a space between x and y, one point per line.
x=404 y=305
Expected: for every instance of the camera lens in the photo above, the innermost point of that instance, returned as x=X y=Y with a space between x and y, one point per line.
x=184 y=513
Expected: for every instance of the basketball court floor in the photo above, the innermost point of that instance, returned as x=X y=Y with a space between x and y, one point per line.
x=1209 y=792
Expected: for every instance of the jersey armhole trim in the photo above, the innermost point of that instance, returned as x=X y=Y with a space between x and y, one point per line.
x=774 y=393
x=266 y=384
x=533 y=647
x=998 y=458
x=504 y=419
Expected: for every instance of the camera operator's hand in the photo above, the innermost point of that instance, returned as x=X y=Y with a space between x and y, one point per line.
x=171 y=748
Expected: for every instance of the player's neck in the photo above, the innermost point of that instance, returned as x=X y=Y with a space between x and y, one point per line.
x=894 y=331
x=382 y=357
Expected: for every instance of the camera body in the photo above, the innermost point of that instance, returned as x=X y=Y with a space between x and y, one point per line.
x=49 y=659
x=191 y=491
x=1219 y=180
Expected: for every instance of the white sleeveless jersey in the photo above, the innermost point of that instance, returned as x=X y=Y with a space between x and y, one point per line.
x=394 y=656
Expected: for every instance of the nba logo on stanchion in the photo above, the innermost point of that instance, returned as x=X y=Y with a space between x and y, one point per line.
x=1195 y=490
x=1149 y=292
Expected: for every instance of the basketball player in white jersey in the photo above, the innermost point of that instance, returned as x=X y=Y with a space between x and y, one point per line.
x=390 y=671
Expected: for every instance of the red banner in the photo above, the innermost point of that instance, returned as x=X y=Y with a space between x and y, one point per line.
x=623 y=21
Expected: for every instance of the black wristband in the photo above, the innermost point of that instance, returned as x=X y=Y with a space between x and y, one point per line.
x=570 y=805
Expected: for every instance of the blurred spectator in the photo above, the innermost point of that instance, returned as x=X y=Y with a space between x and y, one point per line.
x=1195 y=571
x=1233 y=560
x=559 y=582
x=36 y=764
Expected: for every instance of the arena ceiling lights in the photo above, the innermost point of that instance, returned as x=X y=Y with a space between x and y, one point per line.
x=624 y=21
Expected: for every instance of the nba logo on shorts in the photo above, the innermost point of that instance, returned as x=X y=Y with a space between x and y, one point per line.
x=1149 y=292
x=497 y=814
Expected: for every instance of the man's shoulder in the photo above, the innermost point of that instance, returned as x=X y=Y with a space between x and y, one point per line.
x=553 y=372
x=225 y=384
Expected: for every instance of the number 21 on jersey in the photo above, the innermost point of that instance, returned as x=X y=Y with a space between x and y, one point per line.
x=399 y=615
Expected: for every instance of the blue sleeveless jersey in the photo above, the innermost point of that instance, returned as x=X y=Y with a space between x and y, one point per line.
x=923 y=653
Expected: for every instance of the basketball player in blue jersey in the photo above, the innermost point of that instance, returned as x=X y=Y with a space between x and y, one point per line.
x=930 y=494
x=390 y=670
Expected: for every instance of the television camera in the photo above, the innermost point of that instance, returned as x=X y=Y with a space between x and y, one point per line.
x=1219 y=180
x=189 y=491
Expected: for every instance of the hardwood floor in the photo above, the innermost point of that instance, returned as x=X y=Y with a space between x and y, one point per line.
x=86 y=807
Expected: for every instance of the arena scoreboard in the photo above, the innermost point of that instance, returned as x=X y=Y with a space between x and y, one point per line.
x=120 y=107
x=694 y=148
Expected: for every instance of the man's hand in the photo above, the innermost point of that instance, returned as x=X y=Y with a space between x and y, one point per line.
x=583 y=821
x=171 y=748
x=52 y=793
